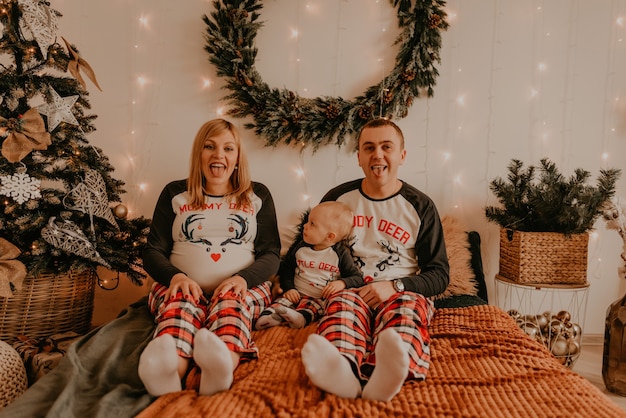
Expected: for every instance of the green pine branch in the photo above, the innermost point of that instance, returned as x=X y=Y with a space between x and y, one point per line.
x=549 y=202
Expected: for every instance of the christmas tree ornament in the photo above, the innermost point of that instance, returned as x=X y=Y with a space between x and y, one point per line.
x=78 y=63
x=58 y=109
x=24 y=134
x=90 y=197
x=12 y=272
x=120 y=211
x=20 y=186
x=67 y=236
x=109 y=283
x=38 y=22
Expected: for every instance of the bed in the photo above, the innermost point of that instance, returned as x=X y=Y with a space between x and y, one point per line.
x=483 y=365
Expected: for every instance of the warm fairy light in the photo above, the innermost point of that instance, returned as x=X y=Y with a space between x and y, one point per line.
x=620 y=21
x=206 y=83
x=306 y=197
x=605 y=156
x=461 y=100
x=220 y=111
x=594 y=236
x=446 y=156
x=534 y=93
x=143 y=21
x=299 y=172
x=294 y=33
x=142 y=81
x=143 y=187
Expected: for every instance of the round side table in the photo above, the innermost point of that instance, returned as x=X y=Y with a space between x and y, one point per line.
x=553 y=314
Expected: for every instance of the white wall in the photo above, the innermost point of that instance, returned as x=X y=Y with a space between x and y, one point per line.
x=492 y=101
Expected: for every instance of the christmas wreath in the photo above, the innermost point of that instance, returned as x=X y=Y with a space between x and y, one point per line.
x=281 y=115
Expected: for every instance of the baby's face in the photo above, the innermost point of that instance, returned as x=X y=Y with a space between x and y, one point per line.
x=316 y=229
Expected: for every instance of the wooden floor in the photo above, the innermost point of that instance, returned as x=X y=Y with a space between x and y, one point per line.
x=589 y=366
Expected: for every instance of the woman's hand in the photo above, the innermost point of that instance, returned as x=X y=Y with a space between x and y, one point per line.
x=293 y=296
x=333 y=287
x=235 y=284
x=187 y=286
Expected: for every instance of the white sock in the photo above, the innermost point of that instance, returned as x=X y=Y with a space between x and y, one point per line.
x=392 y=367
x=294 y=318
x=328 y=369
x=158 y=366
x=214 y=359
x=268 y=321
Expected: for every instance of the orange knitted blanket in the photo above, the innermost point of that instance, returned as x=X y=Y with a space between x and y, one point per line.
x=483 y=365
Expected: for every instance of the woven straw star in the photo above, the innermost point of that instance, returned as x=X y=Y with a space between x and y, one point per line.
x=58 y=110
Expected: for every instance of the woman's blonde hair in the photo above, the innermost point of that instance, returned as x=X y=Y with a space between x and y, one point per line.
x=239 y=180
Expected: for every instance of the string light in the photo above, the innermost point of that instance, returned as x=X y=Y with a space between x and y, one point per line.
x=449 y=129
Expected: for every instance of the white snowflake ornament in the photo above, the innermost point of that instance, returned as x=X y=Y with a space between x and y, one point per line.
x=20 y=187
x=58 y=110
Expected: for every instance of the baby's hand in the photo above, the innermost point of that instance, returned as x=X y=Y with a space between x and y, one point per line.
x=292 y=295
x=333 y=287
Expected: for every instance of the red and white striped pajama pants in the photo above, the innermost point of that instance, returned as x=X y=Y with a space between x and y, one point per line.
x=230 y=318
x=352 y=326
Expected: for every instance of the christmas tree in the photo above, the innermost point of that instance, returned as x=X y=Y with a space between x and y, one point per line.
x=61 y=208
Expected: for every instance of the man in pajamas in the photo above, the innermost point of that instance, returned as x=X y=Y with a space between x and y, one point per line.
x=373 y=338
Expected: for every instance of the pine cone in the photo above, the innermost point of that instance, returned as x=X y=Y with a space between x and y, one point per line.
x=434 y=21
x=332 y=111
x=408 y=75
x=365 y=112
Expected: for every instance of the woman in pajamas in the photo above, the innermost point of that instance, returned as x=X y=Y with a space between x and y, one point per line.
x=212 y=247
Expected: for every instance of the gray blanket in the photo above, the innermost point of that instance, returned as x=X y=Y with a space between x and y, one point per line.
x=98 y=375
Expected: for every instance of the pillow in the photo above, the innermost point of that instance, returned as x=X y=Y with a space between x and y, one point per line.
x=462 y=277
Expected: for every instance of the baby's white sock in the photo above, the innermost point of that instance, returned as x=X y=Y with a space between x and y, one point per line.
x=215 y=360
x=392 y=367
x=158 y=366
x=328 y=369
x=294 y=318
x=268 y=320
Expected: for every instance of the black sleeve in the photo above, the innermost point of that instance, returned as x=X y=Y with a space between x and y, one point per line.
x=430 y=249
x=287 y=269
x=159 y=244
x=266 y=243
x=350 y=273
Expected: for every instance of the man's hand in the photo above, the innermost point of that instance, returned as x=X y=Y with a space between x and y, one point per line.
x=333 y=287
x=377 y=292
x=293 y=296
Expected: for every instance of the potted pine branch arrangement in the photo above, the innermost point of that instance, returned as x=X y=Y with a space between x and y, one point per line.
x=545 y=219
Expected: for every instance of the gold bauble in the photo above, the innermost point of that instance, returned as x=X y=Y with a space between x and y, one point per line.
x=120 y=211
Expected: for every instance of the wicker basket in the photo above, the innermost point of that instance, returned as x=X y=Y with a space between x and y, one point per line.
x=543 y=257
x=49 y=304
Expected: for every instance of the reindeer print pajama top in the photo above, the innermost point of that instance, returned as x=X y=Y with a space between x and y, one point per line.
x=397 y=237
x=215 y=242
